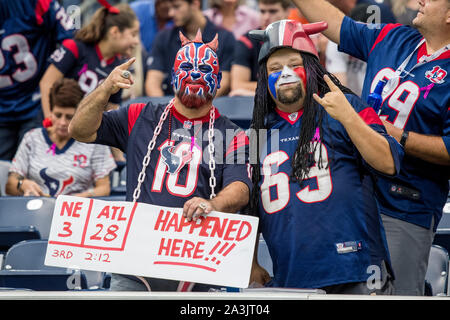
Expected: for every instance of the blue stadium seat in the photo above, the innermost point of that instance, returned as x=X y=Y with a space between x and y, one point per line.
x=24 y=217
x=442 y=236
x=42 y=280
x=437 y=273
x=12 y=235
x=119 y=182
x=24 y=267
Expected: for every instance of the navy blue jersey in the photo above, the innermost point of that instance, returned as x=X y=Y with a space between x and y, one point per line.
x=167 y=43
x=29 y=33
x=246 y=54
x=85 y=63
x=167 y=183
x=326 y=230
x=418 y=101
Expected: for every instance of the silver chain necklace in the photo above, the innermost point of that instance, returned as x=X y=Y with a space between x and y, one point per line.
x=151 y=146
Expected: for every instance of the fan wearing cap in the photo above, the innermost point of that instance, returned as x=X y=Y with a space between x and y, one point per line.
x=313 y=180
x=184 y=150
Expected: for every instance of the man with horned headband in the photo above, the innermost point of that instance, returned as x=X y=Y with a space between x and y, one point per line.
x=313 y=190
x=166 y=164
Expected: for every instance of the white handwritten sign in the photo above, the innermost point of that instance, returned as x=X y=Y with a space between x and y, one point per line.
x=154 y=241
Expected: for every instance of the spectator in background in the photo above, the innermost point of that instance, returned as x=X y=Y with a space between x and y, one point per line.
x=153 y=16
x=349 y=70
x=415 y=111
x=30 y=32
x=295 y=14
x=245 y=60
x=49 y=162
x=97 y=49
x=405 y=11
x=386 y=14
x=188 y=18
x=233 y=15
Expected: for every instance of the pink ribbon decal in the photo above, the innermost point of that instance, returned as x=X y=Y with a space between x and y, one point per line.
x=52 y=149
x=427 y=90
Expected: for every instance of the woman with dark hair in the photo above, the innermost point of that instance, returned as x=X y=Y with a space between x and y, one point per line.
x=313 y=187
x=98 y=47
x=49 y=162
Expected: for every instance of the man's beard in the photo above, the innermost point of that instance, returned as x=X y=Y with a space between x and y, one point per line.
x=193 y=100
x=284 y=98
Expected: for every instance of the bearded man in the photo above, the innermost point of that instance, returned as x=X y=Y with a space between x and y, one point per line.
x=313 y=190
x=166 y=164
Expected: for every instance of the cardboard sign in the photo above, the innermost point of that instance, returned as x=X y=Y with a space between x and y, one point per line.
x=149 y=240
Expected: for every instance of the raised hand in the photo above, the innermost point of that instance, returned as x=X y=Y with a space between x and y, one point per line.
x=335 y=102
x=119 y=78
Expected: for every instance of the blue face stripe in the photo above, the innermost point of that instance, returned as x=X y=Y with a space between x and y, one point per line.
x=273 y=78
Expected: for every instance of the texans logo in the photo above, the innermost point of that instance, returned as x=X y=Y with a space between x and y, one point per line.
x=174 y=162
x=436 y=75
x=55 y=186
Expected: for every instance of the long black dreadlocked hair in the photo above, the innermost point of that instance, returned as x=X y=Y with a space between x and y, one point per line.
x=313 y=115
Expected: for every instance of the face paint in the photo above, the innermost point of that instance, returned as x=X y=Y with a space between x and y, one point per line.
x=196 y=76
x=287 y=75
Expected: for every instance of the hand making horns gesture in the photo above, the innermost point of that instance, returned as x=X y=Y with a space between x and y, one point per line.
x=335 y=102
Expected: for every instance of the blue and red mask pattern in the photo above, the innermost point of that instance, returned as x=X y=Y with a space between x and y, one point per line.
x=196 y=76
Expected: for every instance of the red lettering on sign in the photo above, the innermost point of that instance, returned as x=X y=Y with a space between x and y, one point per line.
x=163 y=246
x=104 y=213
x=187 y=248
x=206 y=224
x=120 y=218
x=230 y=229
x=218 y=229
x=71 y=210
x=239 y=237
x=175 y=248
x=181 y=248
x=173 y=223
x=162 y=221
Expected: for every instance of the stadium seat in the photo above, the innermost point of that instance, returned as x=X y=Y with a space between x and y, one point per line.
x=12 y=235
x=24 y=267
x=42 y=280
x=4 y=168
x=27 y=211
x=119 y=182
x=437 y=273
x=442 y=236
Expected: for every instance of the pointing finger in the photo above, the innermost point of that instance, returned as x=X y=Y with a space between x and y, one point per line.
x=127 y=64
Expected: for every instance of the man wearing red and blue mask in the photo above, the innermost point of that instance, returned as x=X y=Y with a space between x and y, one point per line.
x=196 y=76
x=183 y=169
